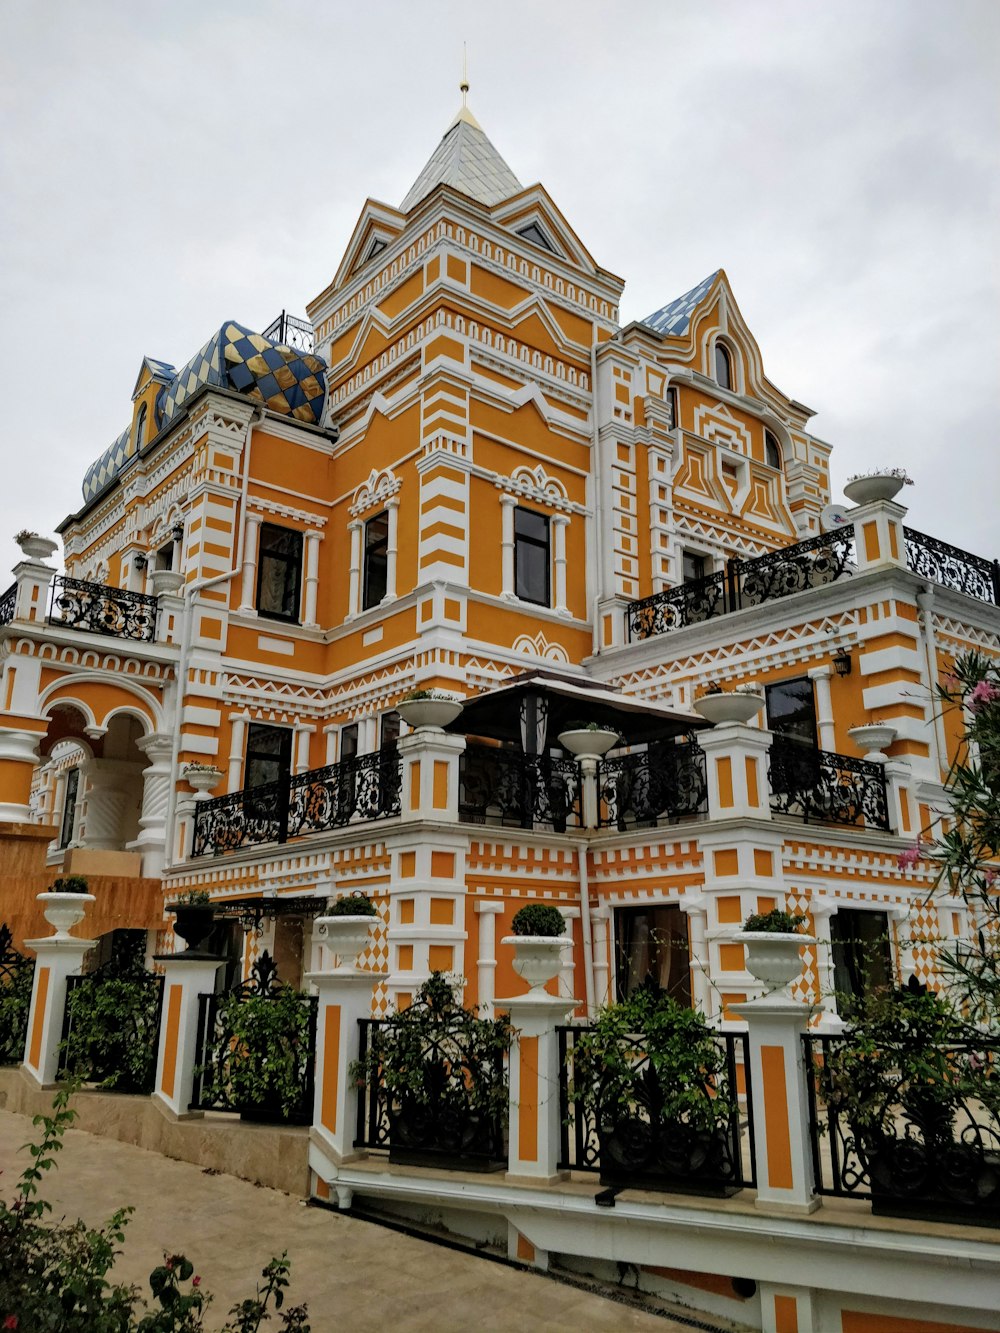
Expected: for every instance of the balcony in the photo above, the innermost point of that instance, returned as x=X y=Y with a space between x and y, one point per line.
x=819 y=786
x=354 y=791
x=809 y=564
x=97 y=608
x=510 y=789
x=660 y=785
x=8 y=604
x=290 y=332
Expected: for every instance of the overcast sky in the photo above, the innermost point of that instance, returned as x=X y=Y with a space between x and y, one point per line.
x=165 y=167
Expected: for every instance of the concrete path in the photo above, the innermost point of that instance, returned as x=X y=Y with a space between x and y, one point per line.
x=352 y=1273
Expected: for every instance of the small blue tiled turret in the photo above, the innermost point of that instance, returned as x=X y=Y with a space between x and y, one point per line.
x=673 y=319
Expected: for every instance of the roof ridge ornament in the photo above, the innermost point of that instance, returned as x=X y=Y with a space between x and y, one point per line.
x=463 y=112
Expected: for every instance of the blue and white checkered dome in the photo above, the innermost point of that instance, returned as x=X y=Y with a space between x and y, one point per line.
x=673 y=319
x=282 y=379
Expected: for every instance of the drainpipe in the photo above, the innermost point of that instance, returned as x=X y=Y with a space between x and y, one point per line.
x=925 y=619
x=582 y=846
x=597 y=555
x=189 y=591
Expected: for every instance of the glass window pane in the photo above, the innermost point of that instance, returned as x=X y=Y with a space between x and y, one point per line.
x=528 y=523
x=723 y=372
x=279 y=567
x=532 y=582
x=269 y=754
x=389 y=730
x=376 y=559
x=653 y=952
x=791 y=710
x=349 y=741
x=693 y=567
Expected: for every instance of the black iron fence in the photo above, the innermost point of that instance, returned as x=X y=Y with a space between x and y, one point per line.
x=914 y=1147
x=256 y=1049
x=820 y=786
x=665 y=782
x=637 y=1144
x=515 y=790
x=111 y=1025
x=363 y=788
x=952 y=567
x=101 y=609
x=16 y=976
x=745 y=583
x=291 y=332
x=8 y=604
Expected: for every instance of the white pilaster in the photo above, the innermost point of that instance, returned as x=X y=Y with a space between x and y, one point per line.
x=248 y=592
x=507 y=504
x=560 y=522
x=312 y=540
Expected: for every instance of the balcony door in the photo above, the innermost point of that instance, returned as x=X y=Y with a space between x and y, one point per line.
x=862 y=962
x=791 y=716
x=653 y=951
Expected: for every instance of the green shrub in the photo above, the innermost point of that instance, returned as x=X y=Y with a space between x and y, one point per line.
x=355 y=904
x=539 y=919
x=71 y=884
x=775 y=922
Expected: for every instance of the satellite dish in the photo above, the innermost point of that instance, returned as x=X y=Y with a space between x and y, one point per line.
x=832 y=518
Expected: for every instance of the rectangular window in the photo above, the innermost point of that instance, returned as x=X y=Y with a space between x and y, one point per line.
x=531 y=557
x=791 y=709
x=861 y=958
x=389 y=730
x=349 y=741
x=269 y=755
x=69 y=807
x=279 y=573
x=165 y=556
x=376 y=559
x=653 y=951
x=692 y=567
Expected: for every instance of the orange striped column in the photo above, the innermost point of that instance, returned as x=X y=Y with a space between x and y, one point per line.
x=736 y=759
x=186 y=977
x=430 y=759
x=56 y=958
x=533 y=1134
x=782 y=1145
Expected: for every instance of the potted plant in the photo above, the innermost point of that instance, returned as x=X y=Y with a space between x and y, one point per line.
x=880 y=484
x=65 y=903
x=588 y=739
x=650 y=1080
x=911 y=1093
x=346 y=927
x=34 y=546
x=202 y=777
x=194 y=917
x=439 y=1079
x=428 y=709
x=773 y=943
x=717 y=705
x=538 y=942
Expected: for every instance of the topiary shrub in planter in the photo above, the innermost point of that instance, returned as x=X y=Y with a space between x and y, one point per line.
x=775 y=922
x=773 y=942
x=913 y=1099
x=346 y=926
x=194 y=917
x=654 y=1085
x=441 y=1082
x=538 y=942
x=538 y=919
x=353 y=904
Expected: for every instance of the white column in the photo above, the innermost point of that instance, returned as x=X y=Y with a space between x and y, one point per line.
x=601 y=918
x=567 y=966
x=313 y=539
x=392 y=544
x=248 y=596
x=488 y=910
x=354 y=584
x=186 y=976
x=303 y=730
x=237 y=738
x=22 y=748
x=560 y=522
x=820 y=677
x=821 y=910
x=331 y=731
x=56 y=957
x=344 y=995
x=533 y=1125
x=695 y=908
x=151 y=842
x=508 y=505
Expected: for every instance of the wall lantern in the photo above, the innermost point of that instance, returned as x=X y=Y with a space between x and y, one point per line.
x=139 y=561
x=842 y=662
x=177 y=531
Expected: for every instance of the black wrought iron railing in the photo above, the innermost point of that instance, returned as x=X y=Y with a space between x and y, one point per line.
x=745 y=583
x=663 y=783
x=101 y=609
x=259 y=1064
x=913 y=1147
x=820 y=786
x=515 y=790
x=437 y=1119
x=111 y=1024
x=16 y=977
x=364 y=788
x=638 y=1144
x=8 y=604
x=291 y=332
x=952 y=567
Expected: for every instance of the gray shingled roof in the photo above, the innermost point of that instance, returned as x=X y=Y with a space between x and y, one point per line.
x=675 y=317
x=467 y=161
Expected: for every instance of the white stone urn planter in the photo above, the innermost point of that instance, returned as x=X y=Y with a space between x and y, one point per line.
x=345 y=936
x=203 y=779
x=63 y=911
x=537 y=958
x=588 y=742
x=166 y=581
x=428 y=713
x=866 y=490
x=773 y=957
x=38 y=548
x=732 y=706
x=872 y=740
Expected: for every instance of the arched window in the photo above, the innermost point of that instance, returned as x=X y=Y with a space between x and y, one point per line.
x=723 y=367
x=140 y=428
x=772 y=450
x=675 y=411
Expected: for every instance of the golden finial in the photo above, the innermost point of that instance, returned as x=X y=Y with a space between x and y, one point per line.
x=464 y=85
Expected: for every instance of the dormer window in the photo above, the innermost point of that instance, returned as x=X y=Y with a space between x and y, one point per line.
x=772 y=450
x=533 y=233
x=376 y=248
x=723 y=367
x=140 y=428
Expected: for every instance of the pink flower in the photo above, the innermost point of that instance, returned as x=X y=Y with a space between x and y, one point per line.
x=10 y=1321
x=909 y=858
x=990 y=876
x=984 y=694
x=952 y=683
x=196 y=1281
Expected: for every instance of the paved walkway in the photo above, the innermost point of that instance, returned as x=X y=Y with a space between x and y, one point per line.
x=346 y=1269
